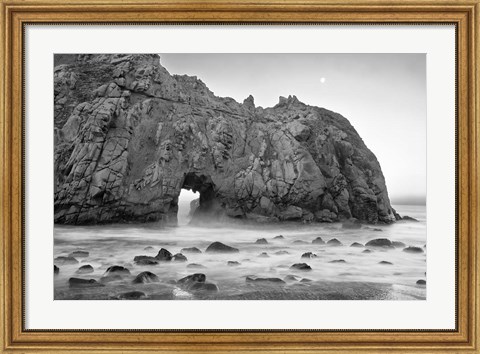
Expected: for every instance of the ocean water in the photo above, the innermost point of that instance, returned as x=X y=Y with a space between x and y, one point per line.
x=360 y=277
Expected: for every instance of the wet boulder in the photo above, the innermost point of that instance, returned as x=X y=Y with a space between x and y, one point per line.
x=146 y=278
x=218 y=247
x=357 y=245
x=398 y=244
x=338 y=261
x=164 y=255
x=309 y=255
x=197 y=282
x=193 y=278
x=117 y=270
x=254 y=279
x=421 y=282
x=300 y=242
x=279 y=237
x=263 y=255
x=291 y=278
x=145 y=260
x=385 y=263
x=85 y=269
x=367 y=251
x=132 y=295
x=409 y=218
x=318 y=241
x=233 y=263
x=334 y=243
x=79 y=254
x=301 y=266
x=56 y=270
x=83 y=283
x=179 y=258
x=413 y=249
x=379 y=243
x=190 y=250
x=261 y=241
x=210 y=287
x=65 y=260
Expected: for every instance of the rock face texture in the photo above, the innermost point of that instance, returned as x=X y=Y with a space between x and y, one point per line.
x=129 y=136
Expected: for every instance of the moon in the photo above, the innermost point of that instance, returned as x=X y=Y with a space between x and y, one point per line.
x=322 y=80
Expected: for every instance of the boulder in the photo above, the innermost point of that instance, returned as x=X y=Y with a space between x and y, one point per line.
x=379 y=243
x=145 y=278
x=56 y=270
x=145 y=260
x=218 y=247
x=291 y=278
x=261 y=241
x=195 y=266
x=367 y=251
x=117 y=270
x=413 y=249
x=263 y=255
x=334 y=243
x=357 y=245
x=197 y=282
x=408 y=218
x=253 y=279
x=338 y=261
x=318 y=241
x=179 y=258
x=301 y=266
x=385 y=263
x=281 y=253
x=83 y=283
x=132 y=295
x=398 y=244
x=164 y=255
x=421 y=282
x=79 y=254
x=190 y=250
x=279 y=237
x=65 y=260
x=309 y=255
x=85 y=269
x=233 y=263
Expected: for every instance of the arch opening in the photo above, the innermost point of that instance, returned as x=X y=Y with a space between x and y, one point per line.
x=207 y=205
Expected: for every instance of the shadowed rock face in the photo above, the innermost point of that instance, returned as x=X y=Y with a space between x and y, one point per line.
x=129 y=136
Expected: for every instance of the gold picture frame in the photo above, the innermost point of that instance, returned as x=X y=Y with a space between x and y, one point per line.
x=464 y=14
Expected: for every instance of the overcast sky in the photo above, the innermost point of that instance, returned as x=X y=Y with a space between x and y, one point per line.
x=382 y=95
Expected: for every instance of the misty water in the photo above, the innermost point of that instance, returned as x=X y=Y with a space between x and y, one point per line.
x=360 y=277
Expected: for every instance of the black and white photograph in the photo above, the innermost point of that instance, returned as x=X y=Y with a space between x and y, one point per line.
x=240 y=176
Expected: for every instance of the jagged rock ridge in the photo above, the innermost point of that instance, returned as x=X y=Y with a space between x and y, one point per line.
x=129 y=136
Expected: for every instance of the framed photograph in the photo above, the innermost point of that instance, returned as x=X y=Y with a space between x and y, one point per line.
x=217 y=176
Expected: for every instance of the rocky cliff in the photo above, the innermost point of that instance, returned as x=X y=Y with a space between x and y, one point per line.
x=129 y=136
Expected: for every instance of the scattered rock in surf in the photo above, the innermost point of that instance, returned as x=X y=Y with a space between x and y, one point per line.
x=148 y=248
x=356 y=244
x=291 y=278
x=79 y=254
x=145 y=260
x=309 y=255
x=413 y=249
x=197 y=281
x=352 y=224
x=145 y=278
x=334 y=243
x=318 y=241
x=56 y=270
x=385 y=263
x=301 y=266
x=279 y=237
x=367 y=251
x=306 y=280
x=132 y=295
x=377 y=230
x=65 y=260
x=398 y=244
x=280 y=253
x=190 y=250
x=338 y=261
x=218 y=247
x=233 y=263
x=379 y=243
x=195 y=266
x=164 y=255
x=409 y=218
x=179 y=258
x=117 y=270
x=261 y=241
x=421 y=282
x=263 y=255
x=300 y=242
x=85 y=269
x=254 y=279
x=83 y=283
